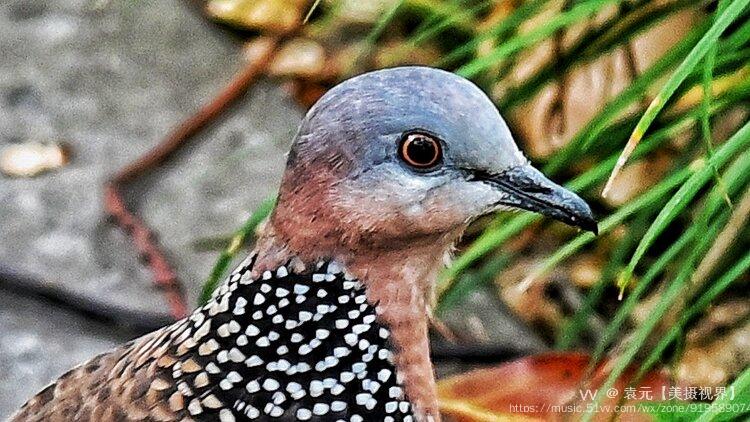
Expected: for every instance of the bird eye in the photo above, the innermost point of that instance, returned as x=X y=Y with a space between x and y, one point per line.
x=420 y=150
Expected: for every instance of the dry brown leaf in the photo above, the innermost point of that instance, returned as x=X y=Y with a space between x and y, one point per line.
x=718 y=347
x=277 y=16
x=560 y=110
x=29 y=159
x=636 y=178
x=299 y=58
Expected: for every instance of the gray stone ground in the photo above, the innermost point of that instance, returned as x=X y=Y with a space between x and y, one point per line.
x=111 y=78
x=112 y=82
x=40 y=344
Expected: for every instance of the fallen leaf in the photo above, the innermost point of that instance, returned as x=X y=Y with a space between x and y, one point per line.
x=276 y=16
x=547 y=387
x=29 y=159
x=299 y=57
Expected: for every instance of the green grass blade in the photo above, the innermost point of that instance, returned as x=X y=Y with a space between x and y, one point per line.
x=596 y=42
x=375 y=34
x=638 y=339
x=701 y=244
x=657 y=138
x=650 y=197
x=488 y=241
x=225 y=258
x=441 y=25
x=717 y=288
x=738 y=39
x=708 y=70
x=739 y=387
x=730 y=14
x=433 y=18
x=738 y=174
x=569 y=334
x=667 y=299
x=738 y=142
x=494 y=237
x=585 y=138
x=626 y=309
x=505 y=26
x=576 y=13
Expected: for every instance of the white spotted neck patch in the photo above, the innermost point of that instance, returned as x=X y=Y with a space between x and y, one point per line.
x=290 y=347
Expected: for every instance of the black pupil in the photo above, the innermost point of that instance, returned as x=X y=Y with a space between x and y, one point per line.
x=421 y=150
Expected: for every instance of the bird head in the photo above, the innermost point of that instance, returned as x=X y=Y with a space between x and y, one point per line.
x=405 y=155
x=386 y=171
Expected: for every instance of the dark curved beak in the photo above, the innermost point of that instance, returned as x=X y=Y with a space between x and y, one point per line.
x=527 y=188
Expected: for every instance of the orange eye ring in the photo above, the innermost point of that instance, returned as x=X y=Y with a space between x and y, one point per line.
x=420 y=150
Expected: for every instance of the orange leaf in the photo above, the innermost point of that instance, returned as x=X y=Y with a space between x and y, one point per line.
x=547 y=387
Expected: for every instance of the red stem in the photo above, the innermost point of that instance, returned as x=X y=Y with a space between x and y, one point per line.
x=145 y=243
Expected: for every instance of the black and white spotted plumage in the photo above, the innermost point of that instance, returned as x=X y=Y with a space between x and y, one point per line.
x=294 y=346
x=308 y=345
x=284 y=346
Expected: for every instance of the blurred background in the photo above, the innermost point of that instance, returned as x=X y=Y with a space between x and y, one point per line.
x=92 y=255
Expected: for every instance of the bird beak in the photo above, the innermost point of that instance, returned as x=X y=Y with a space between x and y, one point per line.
x=527 y=188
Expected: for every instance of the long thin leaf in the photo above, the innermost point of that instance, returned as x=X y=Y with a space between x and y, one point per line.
x=376 y=32
x=525 y=11
x=597 y=42
x=494 y=237
x=698 y=248
x=225 y=258
x=738 y=142
x=584 y=139
x=738 y=38
x=569 y=334
x=738 y=174
x=717 y=288
x=721 y=405
x=666 y=300
x=626 y=309
x=730 y=14
x=576 y=14
x=708 y=70
x=651 y=196
x=460 y=13
x=570 y=248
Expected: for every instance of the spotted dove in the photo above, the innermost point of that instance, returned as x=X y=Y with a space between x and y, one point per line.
x=327 y=318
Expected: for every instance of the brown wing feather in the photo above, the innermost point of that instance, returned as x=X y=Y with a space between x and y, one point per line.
x=129 y=383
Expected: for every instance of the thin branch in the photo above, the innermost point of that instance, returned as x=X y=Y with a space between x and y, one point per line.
x=163 y=273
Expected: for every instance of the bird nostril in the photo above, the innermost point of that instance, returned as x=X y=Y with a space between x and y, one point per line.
x=531 y=188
